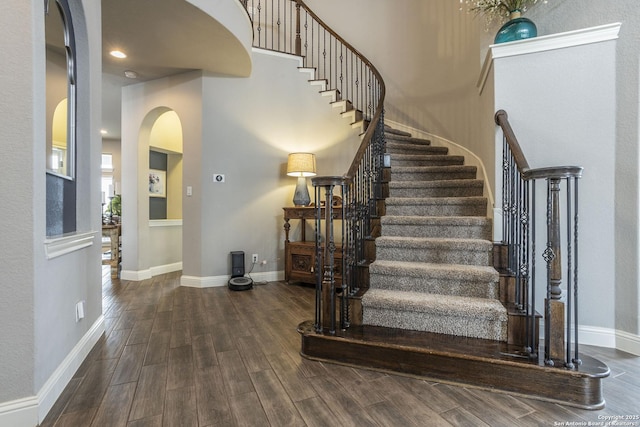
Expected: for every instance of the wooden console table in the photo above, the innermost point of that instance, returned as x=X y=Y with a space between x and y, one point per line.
x=113 y=231
x=300 y=257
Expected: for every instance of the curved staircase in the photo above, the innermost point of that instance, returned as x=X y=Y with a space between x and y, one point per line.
x=426 y=300
x=435 y=306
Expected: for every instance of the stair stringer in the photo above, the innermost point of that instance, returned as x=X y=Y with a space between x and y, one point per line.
x=345 y=106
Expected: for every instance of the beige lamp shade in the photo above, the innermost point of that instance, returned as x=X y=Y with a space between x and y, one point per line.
x=301 y=164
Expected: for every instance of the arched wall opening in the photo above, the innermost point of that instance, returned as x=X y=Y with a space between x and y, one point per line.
x=156 y=247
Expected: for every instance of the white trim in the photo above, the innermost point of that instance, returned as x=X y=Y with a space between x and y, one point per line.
x=268 y=276
x=166 y=268
x=165 y=223
x=203 y=282
x=156 y=270
x=628 y=342
x=597 y=336
x=278 y=54
x=217 y=281
x=546 y=43
x=136 y=276
x=497 y=220
x=19 y=412
x=30 y=411
x=58 y=246
x=52 y=389
x=605 y=337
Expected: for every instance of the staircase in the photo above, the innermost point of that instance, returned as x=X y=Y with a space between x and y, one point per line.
x=435 y=306
x=417 y=292
x=433 y=270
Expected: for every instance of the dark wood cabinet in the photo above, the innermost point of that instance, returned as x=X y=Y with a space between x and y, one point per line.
x=300 y=256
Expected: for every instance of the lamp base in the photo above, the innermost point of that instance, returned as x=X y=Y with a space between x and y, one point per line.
x=301 y=196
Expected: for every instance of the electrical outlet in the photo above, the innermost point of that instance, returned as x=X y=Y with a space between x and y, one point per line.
x=254 y=258
x=218 y=177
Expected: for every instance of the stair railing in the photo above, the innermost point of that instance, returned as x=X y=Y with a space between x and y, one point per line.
x=520 y=221
x=290 y=26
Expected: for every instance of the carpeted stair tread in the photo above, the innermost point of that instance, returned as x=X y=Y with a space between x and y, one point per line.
x=477 y=227
x=446 y=314
x=410 y=201
x=402 y=160
x=481 y=308
x=402 y=147
x=430 y=242
x=443 y=279
x=436 y=206
x=440 y=188
x=425 y=173
x=389 y=130
x=434 y=250
x=405 y=139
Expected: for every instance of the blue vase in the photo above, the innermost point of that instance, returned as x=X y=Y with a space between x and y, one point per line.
x=518 y=28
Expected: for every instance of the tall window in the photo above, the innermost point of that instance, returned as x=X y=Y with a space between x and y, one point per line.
x=61 y=118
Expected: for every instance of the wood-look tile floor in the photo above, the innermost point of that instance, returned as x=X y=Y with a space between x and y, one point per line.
x=177 y=356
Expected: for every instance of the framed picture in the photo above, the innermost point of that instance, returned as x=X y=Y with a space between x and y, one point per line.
x=157 y=183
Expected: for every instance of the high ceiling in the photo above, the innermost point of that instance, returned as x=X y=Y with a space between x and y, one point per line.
x=161 y=38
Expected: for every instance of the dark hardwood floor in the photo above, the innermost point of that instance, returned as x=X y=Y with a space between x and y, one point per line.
x=177 y=356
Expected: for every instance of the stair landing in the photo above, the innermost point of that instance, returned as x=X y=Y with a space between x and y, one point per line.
x=487 y=364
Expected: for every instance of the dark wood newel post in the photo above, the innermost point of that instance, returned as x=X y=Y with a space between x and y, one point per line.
x=552 y=255
x=328 y=281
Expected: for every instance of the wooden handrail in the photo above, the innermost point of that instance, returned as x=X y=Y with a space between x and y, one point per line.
x=554 y=172
x=519 y=184
x=502 y=120
x=368 y=135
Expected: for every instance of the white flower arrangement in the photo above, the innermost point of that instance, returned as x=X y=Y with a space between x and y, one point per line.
x=498 y=10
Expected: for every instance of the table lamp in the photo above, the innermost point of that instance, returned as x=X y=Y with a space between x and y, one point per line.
x=301 y=165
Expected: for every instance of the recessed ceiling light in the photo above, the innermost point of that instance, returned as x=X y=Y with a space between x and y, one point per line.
x=103 y=131
x=118 y=54
x=130 y=74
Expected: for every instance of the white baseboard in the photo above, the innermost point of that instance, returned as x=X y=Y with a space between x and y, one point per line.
x=268 y=276
x=628 y=342
x=203 y=282
x=56 y=383
x=19 y=412
x=167 y=268
x=606 y=337
x=596 y=336
x=30 y=411
x=138 y=275
x=215 y=281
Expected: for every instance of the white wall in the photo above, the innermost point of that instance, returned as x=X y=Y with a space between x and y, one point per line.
x=41 y=340
x=561 y=105
x=20 y=128
x=251 y=125
x=244 y=129
x=575 y=14
x=142 y=104
x=427 y=53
